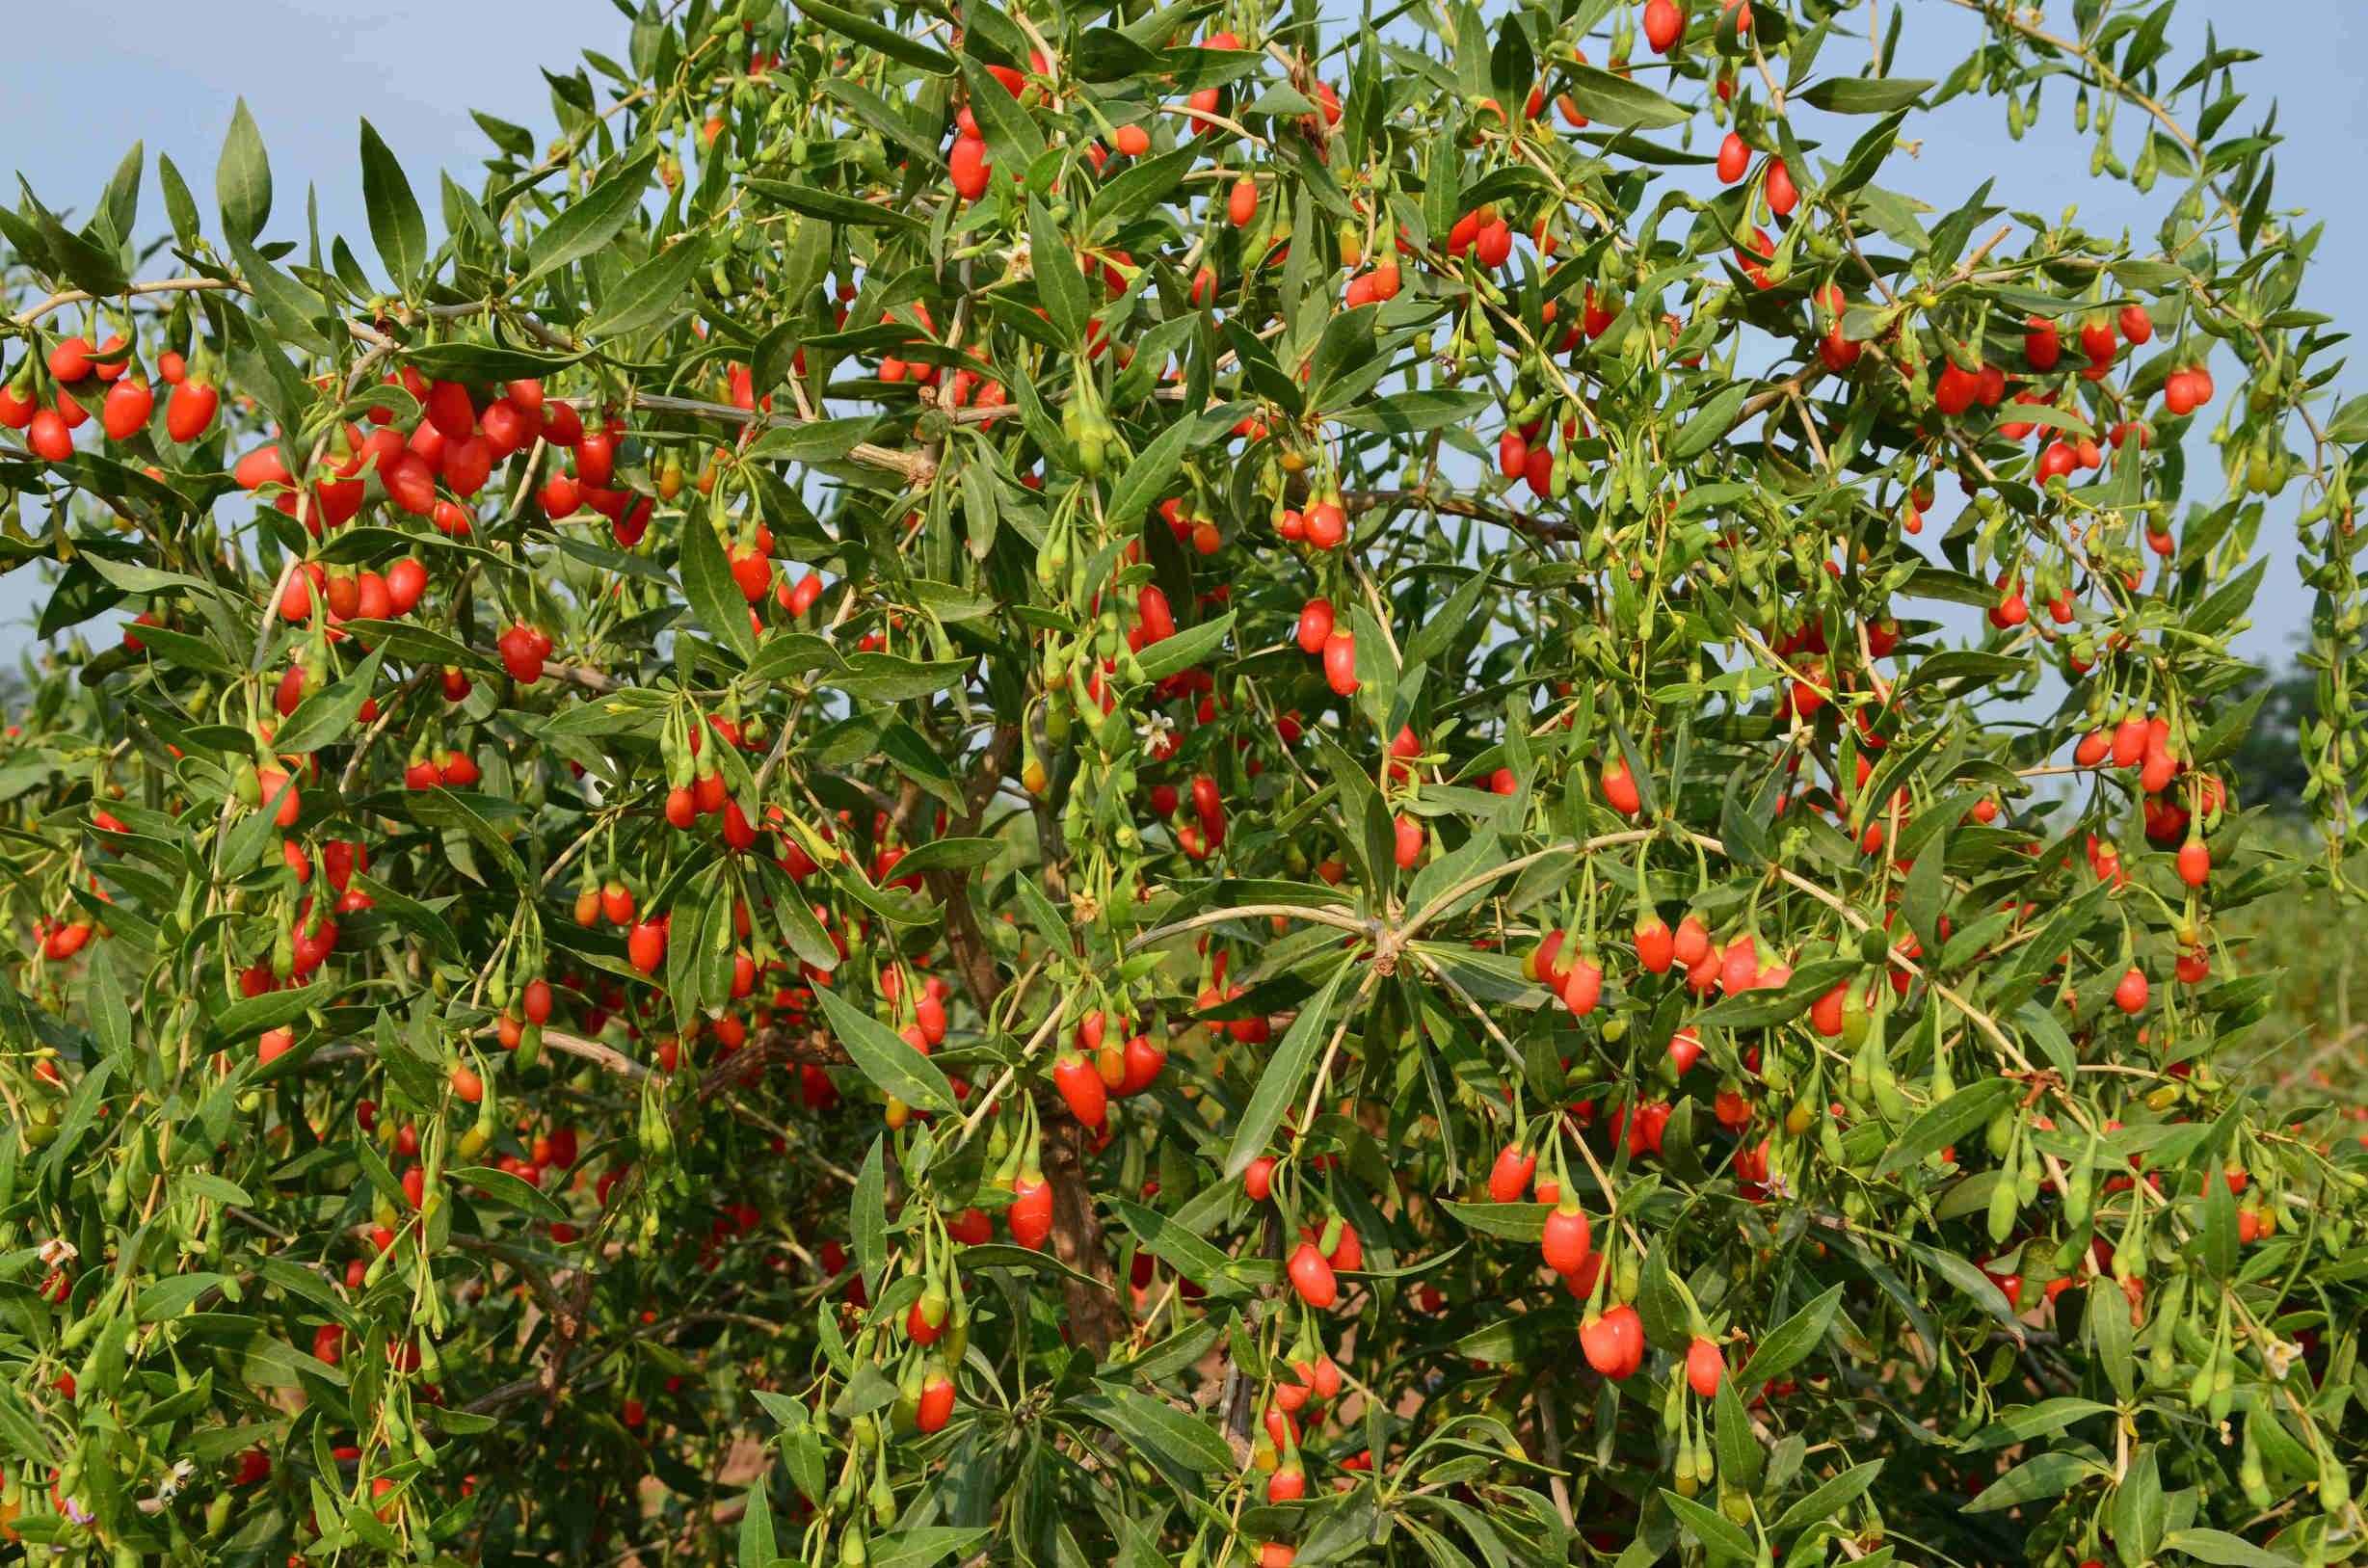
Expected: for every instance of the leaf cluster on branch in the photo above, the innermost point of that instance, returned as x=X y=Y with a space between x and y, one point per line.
x=1047 y=782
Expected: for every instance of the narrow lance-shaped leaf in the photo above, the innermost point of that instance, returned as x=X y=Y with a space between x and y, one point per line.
x=396 y=225
x=243 y=177
x=1282 y=1078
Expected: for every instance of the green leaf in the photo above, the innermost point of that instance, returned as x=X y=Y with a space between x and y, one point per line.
x=396 y=226
x=460 y=808
x=93 y=267
x=514 y=140
x=1141 y=186
x=2135 y=1514
x=1956 y=587
x=179 y=206
x=1279 y=1081
x=885 y=677
x=1162 y=1432
x=2218 y=1252
x=1962 y=1113
x=2020 y=1424
x=756 y=1528
x=591 y=221
x=2046 y=1033
x=647 y=293
x=460 y=1422
x=801 y=1444
x=2048 y=1475
x=20 y=230
x=121 y=204
x=81 y=1109
x=1719 y=1536
x=1866 y=155
x=2111 y=1341
x=250 y=1016
x=135 y=578
x=111 y=1015
x=831 y=206
x=328 y=714
x=887 y=41
x=1740 y=1459
x=1193 y=644
x=691 y=916
x=926 y=1546
x=243 y=178
x=1013 y=140
x=1408 y=413
x=1864 y=94
x=714 y=597
x=1757 y=1009
x=789 y=655
x=1513 y=1221
x=273 y=1362
x=2220 y=1547
x=877 y=112
x=870 y=1215
x=169 y=1297
x=1175 y=1245
x=220 y=1188
x=293 y=308
x=1617 y=100
x=814 y=441
x=894 y=1066
x=1141 y=484
x=1978 y=1287
x=1438 y=632
x=1709 y=424
x=1345 y=349
x=1790 y=1342
x=1005 y=1255
x=508 y=1191
x=1828 y=1499
x=1663 y=1307
x=485 y=361
x=21 y=1431
x=2229 y=601
x=1969 y=667
x=910 y=754
x=949 y=855
x=1925 y=889
x=1477 y=856
x=1104 y=54
x=1058 y=282
x=409 y=914
x=2348 y=426
x=798 y=926
x=404 y=1056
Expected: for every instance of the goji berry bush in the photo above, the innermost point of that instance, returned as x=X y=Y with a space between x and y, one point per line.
x=1192 y=783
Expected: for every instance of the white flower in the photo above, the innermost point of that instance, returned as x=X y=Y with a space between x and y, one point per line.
x=168 y=1488
x=1152 y=730
x=2279 y=1356
x=56 y=1252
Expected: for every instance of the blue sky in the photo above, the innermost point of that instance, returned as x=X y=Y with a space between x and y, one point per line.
x=168 y=75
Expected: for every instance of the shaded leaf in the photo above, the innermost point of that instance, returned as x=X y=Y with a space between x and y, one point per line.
x=894 y=1066
x=1280 y=1079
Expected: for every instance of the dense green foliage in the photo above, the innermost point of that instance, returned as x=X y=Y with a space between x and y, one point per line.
x=1053 y=783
